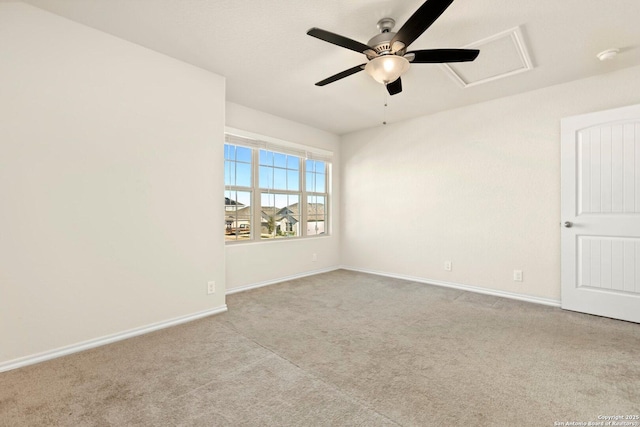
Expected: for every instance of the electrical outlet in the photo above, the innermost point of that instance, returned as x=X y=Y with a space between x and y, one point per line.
x=211 y=287
x=314 y=257
x=517 y=275
x=447 y=265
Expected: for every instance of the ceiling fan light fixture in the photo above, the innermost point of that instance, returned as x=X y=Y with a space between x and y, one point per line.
x=386 y=69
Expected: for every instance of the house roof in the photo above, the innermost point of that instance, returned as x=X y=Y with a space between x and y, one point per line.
x=315 y=212
x=231 y=202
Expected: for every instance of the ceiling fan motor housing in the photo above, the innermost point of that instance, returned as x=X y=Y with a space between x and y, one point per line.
x=381 y=43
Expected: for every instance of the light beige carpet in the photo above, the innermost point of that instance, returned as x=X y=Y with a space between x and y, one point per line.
x=345 y=348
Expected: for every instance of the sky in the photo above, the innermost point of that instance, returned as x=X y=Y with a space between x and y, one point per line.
x=277 y=171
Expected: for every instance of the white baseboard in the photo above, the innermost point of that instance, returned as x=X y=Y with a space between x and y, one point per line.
x=279 y=280
x=469 y=288
x=108 y=339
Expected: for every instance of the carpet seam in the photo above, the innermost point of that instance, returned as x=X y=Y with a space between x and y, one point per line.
x=315 y=377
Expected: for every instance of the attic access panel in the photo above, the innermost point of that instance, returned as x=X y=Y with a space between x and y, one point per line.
x=501 y=55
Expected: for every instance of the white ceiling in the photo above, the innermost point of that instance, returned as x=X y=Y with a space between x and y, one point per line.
x=270 y=64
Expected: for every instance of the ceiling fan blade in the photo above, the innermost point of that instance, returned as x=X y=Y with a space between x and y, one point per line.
x=430 y=56
x=342 y=75
x=337 y=39
x=420 y=21
x=395 y=87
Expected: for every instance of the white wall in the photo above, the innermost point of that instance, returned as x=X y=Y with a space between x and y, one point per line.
x=110 y=185
x=479 y=186
x=250 y=264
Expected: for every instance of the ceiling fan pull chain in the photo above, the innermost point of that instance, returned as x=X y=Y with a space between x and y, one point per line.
x=384 y=112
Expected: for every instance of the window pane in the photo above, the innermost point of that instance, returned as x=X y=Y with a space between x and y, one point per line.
x=293 y=162
x=320 y=180
x=279 y=160
x=279 y=179
x=229 y=173
x=267 y=199
x=243 y=175
x=237 y=215
x=266 y=157
x=280 y=216
x=309 y=184
x=316 y=176
x=279 y=171
x=308 y=165
x=316 y=217
x=243 y=154
x=293 y=180
x=229 y=151
x=266 y=177
x=267 y=216
x=280 y=201
x=237 y=204
x=237 y=166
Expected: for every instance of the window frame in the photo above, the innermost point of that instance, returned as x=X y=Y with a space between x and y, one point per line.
x=236 y=189
x=303 y=154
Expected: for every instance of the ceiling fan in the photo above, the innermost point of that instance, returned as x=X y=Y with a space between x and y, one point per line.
x=387 y=52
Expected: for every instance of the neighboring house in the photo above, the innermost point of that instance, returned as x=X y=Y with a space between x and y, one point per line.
x=287 y=221
x=238 y=220
x=290 y=216
x=230 y=204
x=275 y=222
x=231 y=215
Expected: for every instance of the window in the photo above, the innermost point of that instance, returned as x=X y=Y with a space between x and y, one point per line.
x=237 y=194
x=273 y=192
x=316 y=188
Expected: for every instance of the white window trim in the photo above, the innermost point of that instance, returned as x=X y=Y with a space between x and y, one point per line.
x=275 y=144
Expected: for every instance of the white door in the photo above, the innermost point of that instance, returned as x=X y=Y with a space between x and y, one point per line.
x=600 y=213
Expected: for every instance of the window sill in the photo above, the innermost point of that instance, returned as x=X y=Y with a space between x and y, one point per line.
x=276 y=241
